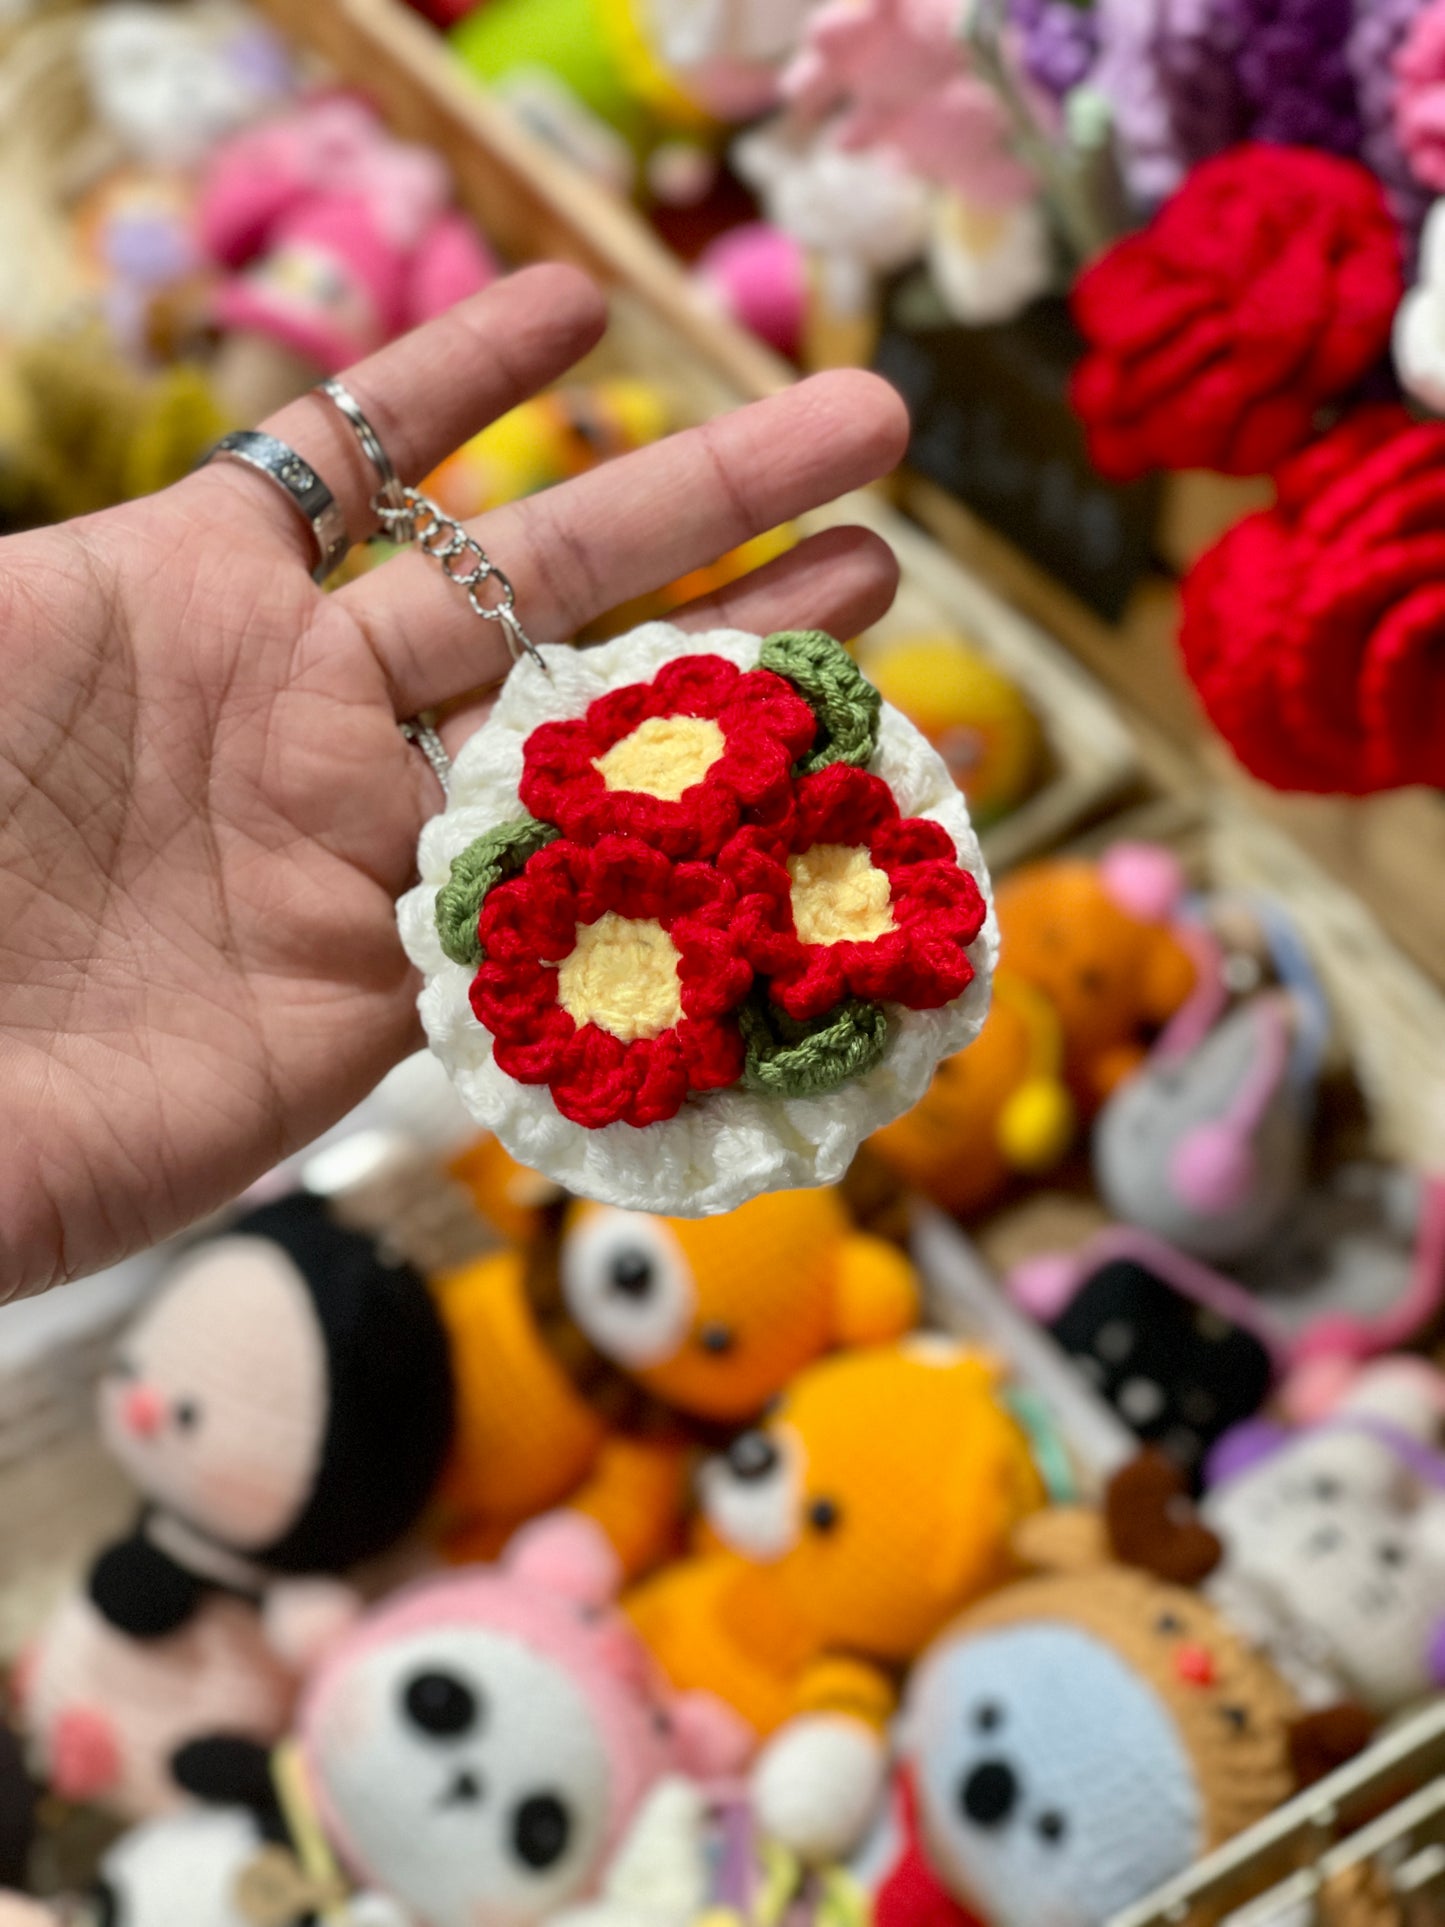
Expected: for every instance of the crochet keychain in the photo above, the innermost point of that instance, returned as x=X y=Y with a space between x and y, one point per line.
x=701 y=912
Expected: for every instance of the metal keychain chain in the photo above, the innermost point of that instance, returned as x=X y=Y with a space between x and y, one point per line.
x=408 y=516
x=415 y=520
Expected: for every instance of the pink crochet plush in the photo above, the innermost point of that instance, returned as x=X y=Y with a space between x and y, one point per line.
x=104 y=1714
x=337 y=236
x=1420 y=96
x=479 y=1746
x=895 y=73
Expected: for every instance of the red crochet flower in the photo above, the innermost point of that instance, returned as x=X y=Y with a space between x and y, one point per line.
x=1264 y=289
x=1315 y=630
x=610 y=975
x=849 y=898
x=675 y=761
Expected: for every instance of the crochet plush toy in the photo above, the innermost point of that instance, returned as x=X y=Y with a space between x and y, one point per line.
x=477 y=1749
x=879 y=1498
x=701 y=913
x=1179 y=1352
x=1102 y=942
x=284 y=1405
x=595 y=1360
x=105 y=1715
x=998 y=1108
x=1334 y=1541
x=333 y=236
x=1207 y=1145
x=1086 y=1733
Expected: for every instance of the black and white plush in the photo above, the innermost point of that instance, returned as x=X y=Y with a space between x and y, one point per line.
x=284 y=1405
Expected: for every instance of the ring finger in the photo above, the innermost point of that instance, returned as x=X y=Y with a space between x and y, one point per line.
x=428 y=393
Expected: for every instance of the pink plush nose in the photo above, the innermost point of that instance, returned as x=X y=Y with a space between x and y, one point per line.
x=1194 y=1664
x=141 y=1411
x=84 y=1756
x=1213 y=1170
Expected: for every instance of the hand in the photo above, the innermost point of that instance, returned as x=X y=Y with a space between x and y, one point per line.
x=206 y=811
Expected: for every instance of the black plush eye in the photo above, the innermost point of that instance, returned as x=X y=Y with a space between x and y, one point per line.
x=823 y=1515
x=988 y=1717
x=1168 y=1624
x=630 y=1272
x=717 y=1340
x=187 y=1414
x=1051 y=1826
x=441 y=1705
x=541 y=1828
x=1236 y=1718
x=752 y=1456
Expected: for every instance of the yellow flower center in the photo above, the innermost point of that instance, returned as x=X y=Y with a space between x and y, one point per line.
x=838 y=896
x=622 y=976
x=663 y=756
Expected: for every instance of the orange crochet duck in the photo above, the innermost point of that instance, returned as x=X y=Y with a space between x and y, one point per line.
x=594 y=1360
x=880 y=1498
x=1102 y=941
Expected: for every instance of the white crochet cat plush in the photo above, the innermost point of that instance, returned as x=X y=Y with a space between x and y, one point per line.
x=1334 y=1543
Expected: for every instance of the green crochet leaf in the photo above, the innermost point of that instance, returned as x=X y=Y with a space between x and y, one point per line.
x=790 y=1059
x=480 y=867
x=836 y=690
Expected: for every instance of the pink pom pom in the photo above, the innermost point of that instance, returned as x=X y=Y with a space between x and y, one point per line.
x=1143 y=879
x=566 y=1553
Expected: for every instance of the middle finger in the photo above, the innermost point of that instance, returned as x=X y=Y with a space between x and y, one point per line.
x=628 y=528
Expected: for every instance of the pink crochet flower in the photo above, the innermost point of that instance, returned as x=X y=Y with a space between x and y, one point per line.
x=1420 y=96
x=896 y=74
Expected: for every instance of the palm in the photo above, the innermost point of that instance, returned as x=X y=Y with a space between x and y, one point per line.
x=206 y=815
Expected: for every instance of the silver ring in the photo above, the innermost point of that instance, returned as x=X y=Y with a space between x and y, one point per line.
x=341 y=398
x=299 y=483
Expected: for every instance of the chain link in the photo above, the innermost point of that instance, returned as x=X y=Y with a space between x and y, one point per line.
x=411 y=517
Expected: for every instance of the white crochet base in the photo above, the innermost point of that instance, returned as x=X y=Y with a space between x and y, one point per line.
x=726 y=1147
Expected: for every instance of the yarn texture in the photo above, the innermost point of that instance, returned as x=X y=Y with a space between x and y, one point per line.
x=755 y=964
x=475 y=871
x=1264 y=290
x=1314 y=630
x=1419 y=97
x=1379 y=32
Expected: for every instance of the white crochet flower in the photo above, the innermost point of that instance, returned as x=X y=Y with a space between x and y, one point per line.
x=726 y=1147
x=1420 y=323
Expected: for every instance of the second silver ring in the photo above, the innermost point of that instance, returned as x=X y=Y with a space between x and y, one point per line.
x=390 y=489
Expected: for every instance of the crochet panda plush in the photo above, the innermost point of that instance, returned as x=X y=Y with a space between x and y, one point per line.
x=284 y=1405
x=476 y=1750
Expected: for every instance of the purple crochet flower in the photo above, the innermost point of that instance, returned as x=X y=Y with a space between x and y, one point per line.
x=1188 y=78
x=1378 y=34
x=1168 y=71
x=1057 y=41
x=1294 y=72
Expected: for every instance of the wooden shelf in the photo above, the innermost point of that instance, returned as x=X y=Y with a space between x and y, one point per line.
x=531 y=202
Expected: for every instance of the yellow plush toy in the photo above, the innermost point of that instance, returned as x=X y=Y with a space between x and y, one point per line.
x=879 y=1500
x=594 y=1361
x=977 y=720
x=998 y=1107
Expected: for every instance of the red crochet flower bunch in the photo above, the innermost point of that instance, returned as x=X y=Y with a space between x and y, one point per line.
x=1263 y=291
x=755 y=727
x=1314 y=631
x=619 y=931
x=847 y=899
x=709 y=890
